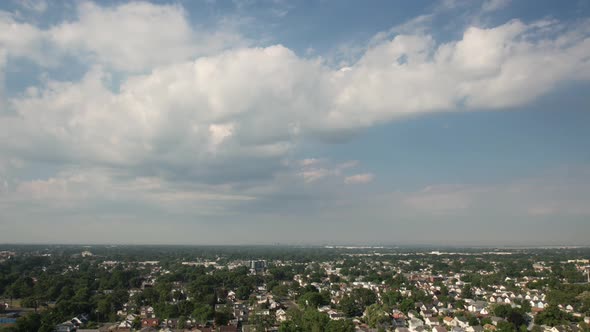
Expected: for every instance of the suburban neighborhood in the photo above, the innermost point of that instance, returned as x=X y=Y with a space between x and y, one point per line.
x=307 y=289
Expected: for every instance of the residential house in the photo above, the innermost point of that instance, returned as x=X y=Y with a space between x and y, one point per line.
x=124 y=326
x=495 y=320
x=448 y=321
x=414 y=323
x=476 y=328
x=431 y=321
x=489 y=327
x=569 y=328
x=459 y=322
x=65 y=327
x=281 y=315
x=477 y=306
x=335 y=315
x=150 y=322
x=426 y=313
x=241 y=312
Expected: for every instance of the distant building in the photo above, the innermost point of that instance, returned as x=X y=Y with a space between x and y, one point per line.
x=257 y=266
x=65 y=327
x=86 y=254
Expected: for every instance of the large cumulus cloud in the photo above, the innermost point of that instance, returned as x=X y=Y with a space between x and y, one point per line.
x=249 y=103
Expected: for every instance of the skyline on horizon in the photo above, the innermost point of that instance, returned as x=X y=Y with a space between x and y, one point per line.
x=451 y=123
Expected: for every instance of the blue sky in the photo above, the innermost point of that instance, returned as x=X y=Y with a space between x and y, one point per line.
x=232 y=122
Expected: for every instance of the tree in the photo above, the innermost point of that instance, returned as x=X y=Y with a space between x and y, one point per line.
x=30 y=322
x=289 y=326
x=280 y=290
x=502 y=310
x=314 y=321
x=349 y=307
x=260 y=321
x=392 y=298
x=472 y=320
x=243 y=292
x=504 y=326
x=312 y=299
x=515 y=317
x=406 y=305
x=181 y=322
x=222 y=317
x=137 y=323
x=584 y=327
x=376 y=315
x=525 y=306
x=343 y=325
x=202 y=313
x=30 y=302
x=552 y=316
x=466 y=292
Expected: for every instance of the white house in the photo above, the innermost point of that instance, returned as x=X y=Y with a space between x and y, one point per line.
x=414 y=323
x=281 y=315
x=459 y=322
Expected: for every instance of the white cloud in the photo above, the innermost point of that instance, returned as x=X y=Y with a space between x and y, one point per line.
x=257 y=102
x=80 y=189
x=137 y=36
x=505 y=66
x=38 y=6
x=359 y=178
x=314 y=169
x=219 y=132
x=312 y=175
x=494 y=5
x=309 y=162
x=416 y=26
x=19 y=39
x=2 y=80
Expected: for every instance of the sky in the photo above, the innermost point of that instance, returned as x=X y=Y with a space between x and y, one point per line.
x=454 y=122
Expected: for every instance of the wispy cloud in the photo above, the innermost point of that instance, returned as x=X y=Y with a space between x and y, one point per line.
x=359 y=178
x=493 y=5
x=38 y=6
